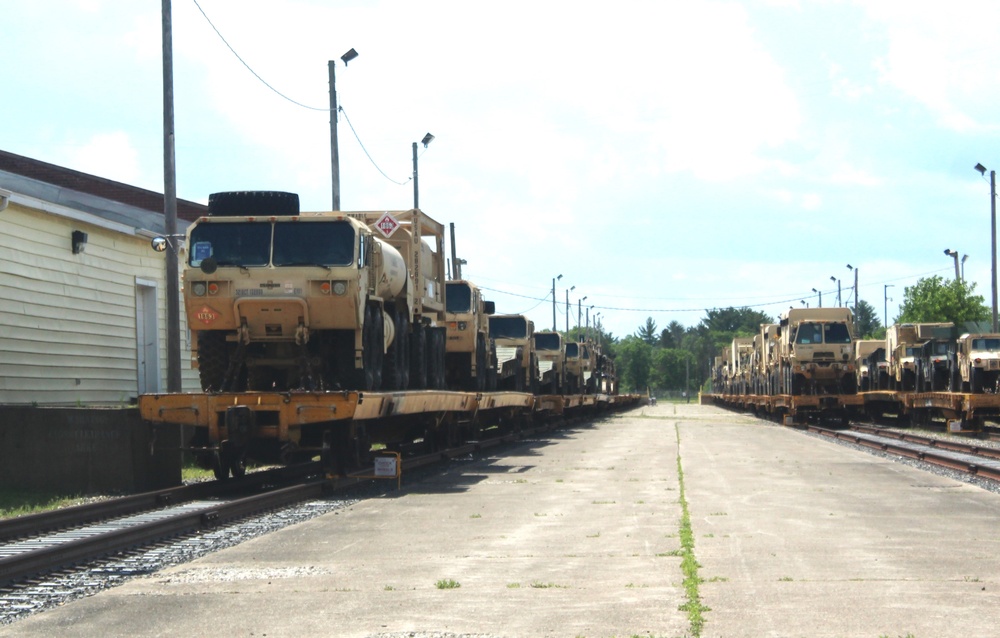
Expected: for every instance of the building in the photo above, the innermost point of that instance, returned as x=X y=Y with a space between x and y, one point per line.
x=82 y=293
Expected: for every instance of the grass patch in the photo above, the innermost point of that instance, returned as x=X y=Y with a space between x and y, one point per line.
x=540 y=585
x=14 y=502
x=513 y=585
x=476 y=516
x=689 y=565
x=447 y=584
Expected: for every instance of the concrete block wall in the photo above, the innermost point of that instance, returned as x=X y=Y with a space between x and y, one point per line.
x=86 y=450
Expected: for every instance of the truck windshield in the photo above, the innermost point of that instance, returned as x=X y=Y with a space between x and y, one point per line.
x=940 y=347
x=327 y=243
x=231 y=244
x=809 y=333
x=547 y=341
x=836 y=333
x=508 y=327
x=992 y=345
x=572 y=349
x=459 y=297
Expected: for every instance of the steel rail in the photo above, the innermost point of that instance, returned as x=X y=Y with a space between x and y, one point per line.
x=67 y=517
x=941 y=459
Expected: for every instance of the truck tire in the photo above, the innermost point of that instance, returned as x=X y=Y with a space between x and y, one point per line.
x=481 y=372
x=213 y=359
x=418 y=358
x=244 y=203
x=396 y=368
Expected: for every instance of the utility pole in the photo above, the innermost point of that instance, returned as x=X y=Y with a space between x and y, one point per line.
x=170 y=208
x=334 y=142
x=554 y=302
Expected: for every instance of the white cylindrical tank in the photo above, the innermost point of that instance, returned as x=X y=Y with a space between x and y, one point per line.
x=393 y=280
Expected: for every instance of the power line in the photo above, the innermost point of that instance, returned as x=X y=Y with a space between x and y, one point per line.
x=297 y=103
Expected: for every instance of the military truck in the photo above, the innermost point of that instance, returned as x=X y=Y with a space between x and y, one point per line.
x=816 y=352
x=278 y=299
x=979 y=362
x=551 y=353
x=470 y=355
x=903 y=347
x=867 y=375
x=740 y=357
x=763 y=358
x=939 y=359
x=515 y=346
x=574 y=368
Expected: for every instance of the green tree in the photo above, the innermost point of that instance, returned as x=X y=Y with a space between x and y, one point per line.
x=634 y=361
x=738 y=321
x=933 y=299
x=669 y=368
x=868 y=321
x=648 y=332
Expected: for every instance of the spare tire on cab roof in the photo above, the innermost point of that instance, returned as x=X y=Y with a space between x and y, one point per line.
x=253 y=203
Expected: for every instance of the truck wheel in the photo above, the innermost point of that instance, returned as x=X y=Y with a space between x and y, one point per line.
x=245 y=203
x=365 y=378
x=437 y=356
x=396 y=365
x=418 y=358
x=976 y=381
x=213 y=359
x=481 y=373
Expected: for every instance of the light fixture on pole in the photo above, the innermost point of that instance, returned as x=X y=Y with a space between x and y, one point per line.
x=334 y=144
x=819 y=293
x=964 y=257
x=885 y=302
x=954 y=254
x=993 y=234
x=554 y=280
x=416 y=192
x=840 y=303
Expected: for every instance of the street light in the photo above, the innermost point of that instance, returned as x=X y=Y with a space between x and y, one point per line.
x=554 y=280
x=820 y=297
x=954 y=255
x=885 y=302
x=839 y=302
x=993 y=233
x=334 y=145
x=416 y=197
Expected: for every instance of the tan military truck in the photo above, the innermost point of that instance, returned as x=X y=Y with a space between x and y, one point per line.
x=740 y=357
x=470 y=355
x=904 y=345
x=279 y=299
x=765 y=354
x=816 y=352
x=574 y=368
x=979 y=362
x=551 y=353
x=867 y=376
x=515 y=346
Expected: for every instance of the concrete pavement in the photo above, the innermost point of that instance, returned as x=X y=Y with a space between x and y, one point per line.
x=577 y=535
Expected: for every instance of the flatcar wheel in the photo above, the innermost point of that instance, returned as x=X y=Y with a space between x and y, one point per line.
x=238 y=461
x=220 y=471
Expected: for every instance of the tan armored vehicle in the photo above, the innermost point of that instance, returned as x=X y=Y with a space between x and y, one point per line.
x=979 y=362
x=574 y=368
x=278 y=299
x=515 y=346
x=816 y=352
x=470 y=354
x=551 y=353
x=904 y=346
x=863 y=350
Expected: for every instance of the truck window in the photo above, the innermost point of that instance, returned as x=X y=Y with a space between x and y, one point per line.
x=836 y=333
x=231 y=244
x=508 y=328
x=809 y=333
x=459 y=297
x=572 y=350
x=312 y=244
x=547 y=341
x=991 y=345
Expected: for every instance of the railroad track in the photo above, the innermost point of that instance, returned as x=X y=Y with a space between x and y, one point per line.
x=975 y=460
x=34 y=545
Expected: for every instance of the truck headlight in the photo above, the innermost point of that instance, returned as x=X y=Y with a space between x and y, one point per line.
x=198 y=288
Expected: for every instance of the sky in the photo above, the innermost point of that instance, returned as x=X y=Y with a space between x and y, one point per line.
x=665 y=157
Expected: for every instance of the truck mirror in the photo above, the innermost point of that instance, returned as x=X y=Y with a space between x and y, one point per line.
x=209 y=265
x=489 y=307
x=159 y=244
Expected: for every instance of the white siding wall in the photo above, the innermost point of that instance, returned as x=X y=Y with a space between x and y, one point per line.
x=68 y=322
